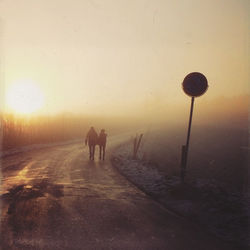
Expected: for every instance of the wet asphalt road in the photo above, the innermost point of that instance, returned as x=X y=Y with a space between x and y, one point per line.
x=55 y=198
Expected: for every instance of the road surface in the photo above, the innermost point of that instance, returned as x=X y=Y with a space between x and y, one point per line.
x=55 y=198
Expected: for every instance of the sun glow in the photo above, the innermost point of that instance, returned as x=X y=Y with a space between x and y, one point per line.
x=24 y=97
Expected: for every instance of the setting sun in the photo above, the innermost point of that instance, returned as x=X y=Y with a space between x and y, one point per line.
x=24 y=97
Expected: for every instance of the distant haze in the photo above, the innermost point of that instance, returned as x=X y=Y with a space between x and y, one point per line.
x=114 y=57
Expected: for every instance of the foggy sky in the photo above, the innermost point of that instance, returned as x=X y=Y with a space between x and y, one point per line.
x=122 y=56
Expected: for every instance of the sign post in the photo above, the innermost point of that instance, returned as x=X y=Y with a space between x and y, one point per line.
x=194 y=85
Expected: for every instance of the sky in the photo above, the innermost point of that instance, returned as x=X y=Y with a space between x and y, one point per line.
x=123 y=56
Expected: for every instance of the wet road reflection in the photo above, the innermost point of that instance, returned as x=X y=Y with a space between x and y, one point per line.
x=58 y=199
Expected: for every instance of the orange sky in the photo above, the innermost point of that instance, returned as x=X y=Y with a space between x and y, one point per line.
x=117 y=56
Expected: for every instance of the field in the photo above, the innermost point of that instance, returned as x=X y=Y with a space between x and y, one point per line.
x=218 y=154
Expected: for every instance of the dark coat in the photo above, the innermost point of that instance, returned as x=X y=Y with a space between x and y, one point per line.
x=91 y=138
x=102 y=139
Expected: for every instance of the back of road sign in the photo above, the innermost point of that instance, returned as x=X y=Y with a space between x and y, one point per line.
x=195 y=84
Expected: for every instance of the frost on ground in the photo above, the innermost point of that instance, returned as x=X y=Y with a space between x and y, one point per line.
x=205 y=201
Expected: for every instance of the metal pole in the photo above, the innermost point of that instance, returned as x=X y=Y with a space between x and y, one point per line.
x=189 y=129
x=183 y=159
x=184 y=150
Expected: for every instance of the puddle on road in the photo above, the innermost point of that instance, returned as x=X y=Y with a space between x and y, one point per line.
x=39 y=189
x=17 y=180
x=24 y=205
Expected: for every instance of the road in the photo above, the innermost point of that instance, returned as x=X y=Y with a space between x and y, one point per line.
x=55 y=198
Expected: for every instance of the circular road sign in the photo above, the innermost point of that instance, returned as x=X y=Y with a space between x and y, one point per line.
x=195 y=84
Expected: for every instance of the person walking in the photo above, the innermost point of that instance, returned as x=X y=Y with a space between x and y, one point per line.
x=102 y=144
x=91 y=140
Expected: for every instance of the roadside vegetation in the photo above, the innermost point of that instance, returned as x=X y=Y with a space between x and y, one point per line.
x=216 y=189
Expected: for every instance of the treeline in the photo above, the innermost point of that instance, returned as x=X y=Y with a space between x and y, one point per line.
x=19 y=131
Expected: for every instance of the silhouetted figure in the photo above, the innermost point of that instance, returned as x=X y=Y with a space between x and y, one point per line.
x=91 y=140
x=102 y=144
